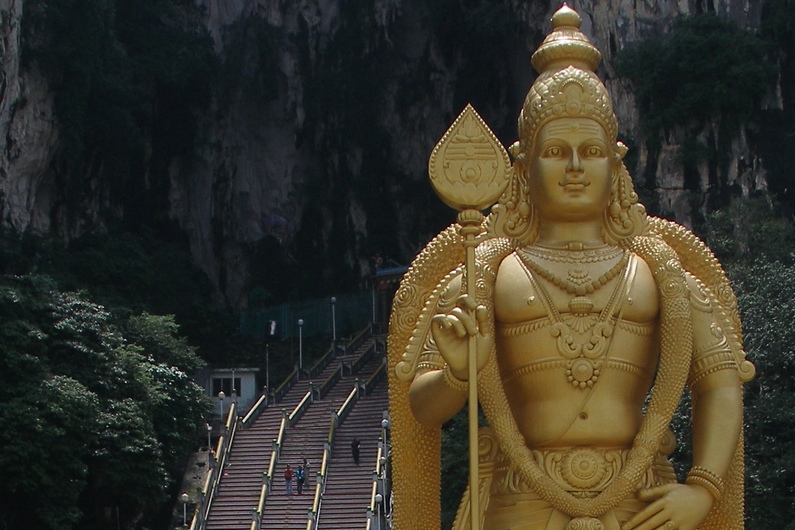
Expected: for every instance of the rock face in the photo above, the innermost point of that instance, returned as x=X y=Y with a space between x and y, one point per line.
x=29 y=132
x=282 y=159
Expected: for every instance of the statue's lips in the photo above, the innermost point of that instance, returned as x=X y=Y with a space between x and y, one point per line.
x=574 y=186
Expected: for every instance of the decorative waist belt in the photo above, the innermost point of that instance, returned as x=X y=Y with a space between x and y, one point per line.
x=582 y=471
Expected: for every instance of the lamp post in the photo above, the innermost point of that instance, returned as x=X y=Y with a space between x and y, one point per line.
x=385 y=430
x=334 y=320
x=234 y=389
x=378 y=500
x=209 y=437
x=267 y=366
x=221 y=397
x=300 y=343
x=185 y=499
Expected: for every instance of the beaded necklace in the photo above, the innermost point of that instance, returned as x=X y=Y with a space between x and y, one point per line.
x=579 y=284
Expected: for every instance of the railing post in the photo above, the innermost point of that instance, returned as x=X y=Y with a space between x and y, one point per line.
x=310 y=515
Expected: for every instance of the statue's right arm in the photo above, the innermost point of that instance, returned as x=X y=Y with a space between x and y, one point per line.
x=433 y=398
x=439 y=388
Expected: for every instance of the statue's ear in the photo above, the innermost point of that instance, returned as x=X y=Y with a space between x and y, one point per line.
x=514 y=149
x=621 y=151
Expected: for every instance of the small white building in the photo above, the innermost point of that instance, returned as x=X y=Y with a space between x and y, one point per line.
x=238 y=384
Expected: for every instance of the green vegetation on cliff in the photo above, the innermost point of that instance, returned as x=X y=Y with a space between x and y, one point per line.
x=98 y=412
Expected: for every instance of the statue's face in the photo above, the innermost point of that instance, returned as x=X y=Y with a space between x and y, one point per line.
x=571 y=170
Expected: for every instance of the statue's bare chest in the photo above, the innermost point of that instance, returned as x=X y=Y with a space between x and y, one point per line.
x=574 y=314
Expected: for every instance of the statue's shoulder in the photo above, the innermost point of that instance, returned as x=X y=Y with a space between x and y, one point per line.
x=705 y=278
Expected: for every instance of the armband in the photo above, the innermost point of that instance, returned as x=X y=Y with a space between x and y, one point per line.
x=702 y=476
x=452 y=381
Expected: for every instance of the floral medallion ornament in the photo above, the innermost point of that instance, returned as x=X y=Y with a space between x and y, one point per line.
x=585 y=523
x=469 y=167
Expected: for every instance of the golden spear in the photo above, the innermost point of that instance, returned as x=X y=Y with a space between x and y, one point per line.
x=469 y=170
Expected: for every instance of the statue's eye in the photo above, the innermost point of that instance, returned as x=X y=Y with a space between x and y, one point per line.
x=553 y=152
x=593 y=151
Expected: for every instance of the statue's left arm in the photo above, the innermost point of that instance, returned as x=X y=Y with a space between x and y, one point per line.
x=716 y=393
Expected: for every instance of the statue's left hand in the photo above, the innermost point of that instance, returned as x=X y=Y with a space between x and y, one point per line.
x=673 y=507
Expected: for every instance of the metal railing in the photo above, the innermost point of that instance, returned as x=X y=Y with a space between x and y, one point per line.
x=375 y=378
x=288 y=420
x=255 y=410
x=359 y=338
x=337 y=417
x=211 y=484
x=319 y=365
x=283 y=388
x=324 y=387
x=217 y=464
x=267 y=477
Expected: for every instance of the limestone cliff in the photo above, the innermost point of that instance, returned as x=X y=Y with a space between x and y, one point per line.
x=320 y=131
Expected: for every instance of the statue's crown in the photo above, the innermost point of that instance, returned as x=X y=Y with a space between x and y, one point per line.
x=566 y=45
x=567 y=86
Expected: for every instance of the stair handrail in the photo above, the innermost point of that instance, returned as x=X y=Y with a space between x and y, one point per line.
x=349 y=402
x=255 y=410
x=320 y=485
x=330 y=381
x=372 y=509
x=267 y=477
x=299 y=409
x=267 y=485
x=286 y=385
x=214 y=477
x=319 y=365
x=360 y=337
x=337 y=417
x=360 y=360
x=374 y=379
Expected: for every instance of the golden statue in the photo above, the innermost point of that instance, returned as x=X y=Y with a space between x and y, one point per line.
x=584 y=319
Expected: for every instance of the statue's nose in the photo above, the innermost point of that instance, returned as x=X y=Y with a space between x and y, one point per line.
x=575 y=164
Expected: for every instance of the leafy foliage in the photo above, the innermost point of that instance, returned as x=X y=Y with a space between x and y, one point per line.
x=766 y=294
x=455 y=465
x=97 y=412
x=131 y=272
x=704 y=68
x=704 y=71
x=747 y=229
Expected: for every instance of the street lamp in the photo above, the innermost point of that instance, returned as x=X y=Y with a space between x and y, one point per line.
x=209 y=437
x=185 y=499
x=378 y=499
x=385 y=429
x=234 y=389
x=301 y=343
x=334 y=320
x=221 y=397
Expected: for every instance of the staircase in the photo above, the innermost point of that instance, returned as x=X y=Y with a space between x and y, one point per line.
x=306 y=440
x=249 y=455
x=348 y=486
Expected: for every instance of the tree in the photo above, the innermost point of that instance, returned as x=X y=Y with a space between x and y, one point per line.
x=766 y=295
x=98 y=413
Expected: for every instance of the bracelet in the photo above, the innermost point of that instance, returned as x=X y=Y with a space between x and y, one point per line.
x=452 y=381
x=702 y=476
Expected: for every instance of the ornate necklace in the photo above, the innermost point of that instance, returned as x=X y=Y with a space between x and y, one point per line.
x=581 y=337
x=564 y=255
x=578 y=282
